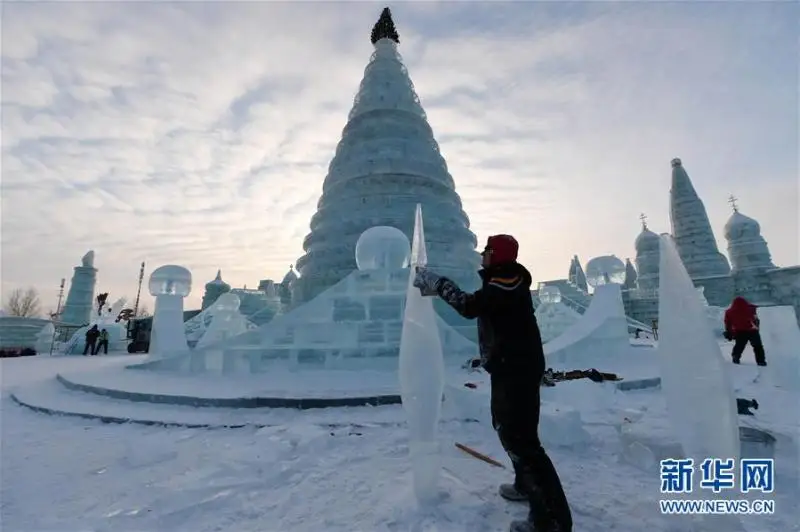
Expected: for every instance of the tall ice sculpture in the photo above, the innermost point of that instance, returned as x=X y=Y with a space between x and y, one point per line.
x=694 y=377
x=421 y=374
x=169 y=284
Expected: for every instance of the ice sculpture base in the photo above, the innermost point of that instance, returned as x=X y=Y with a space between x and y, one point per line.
x=281 y=389
x=426 y=466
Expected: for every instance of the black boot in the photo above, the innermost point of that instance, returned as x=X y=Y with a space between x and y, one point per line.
x=512 y=493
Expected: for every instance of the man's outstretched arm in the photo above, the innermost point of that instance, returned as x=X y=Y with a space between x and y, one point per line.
x=468 y=305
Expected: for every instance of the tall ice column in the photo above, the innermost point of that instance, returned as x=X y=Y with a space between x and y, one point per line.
x=421 y=375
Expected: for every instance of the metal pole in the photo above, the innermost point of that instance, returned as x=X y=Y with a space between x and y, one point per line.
x=139 y=291
x=57 y=314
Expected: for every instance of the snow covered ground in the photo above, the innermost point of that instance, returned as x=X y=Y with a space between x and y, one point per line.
x=305 y=474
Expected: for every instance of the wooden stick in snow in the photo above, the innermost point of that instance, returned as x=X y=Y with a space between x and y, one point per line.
x=479 y=456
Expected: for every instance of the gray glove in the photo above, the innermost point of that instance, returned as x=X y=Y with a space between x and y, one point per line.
x=427 y=282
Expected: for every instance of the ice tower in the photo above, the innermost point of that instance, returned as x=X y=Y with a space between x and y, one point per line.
x=746 y=247
x=750 y=257
x=386 y=162
x=78 y=307
x=630 y=275
x=576 y=275
x=695 y=240
x=648 y=256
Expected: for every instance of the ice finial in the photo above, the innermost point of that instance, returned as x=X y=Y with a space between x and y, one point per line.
x=676 y=162
x=732 y=200
x=87 y=261
x=419 y=254
x=219 y=276
x=643 y=218
x=384 y=28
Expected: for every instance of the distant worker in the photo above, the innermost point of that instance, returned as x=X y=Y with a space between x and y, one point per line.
x=741 y=326
x=511 y=352
x=103 y=343
x=91 y=340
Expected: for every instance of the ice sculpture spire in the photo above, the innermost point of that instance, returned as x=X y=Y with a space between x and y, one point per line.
x=214 y=289
x=386 y=162
x=384 y=28
x=421 y=373
x=576 y=275
x=746 y=247
x=691 y=229
x=630 y=275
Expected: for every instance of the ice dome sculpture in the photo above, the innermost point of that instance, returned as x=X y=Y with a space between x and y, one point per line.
x=382 y=247
x=170 y=280
x=607 y=269
x=549 y=294
x=227 y=302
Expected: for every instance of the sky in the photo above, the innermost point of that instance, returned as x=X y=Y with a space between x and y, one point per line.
x=200 y=133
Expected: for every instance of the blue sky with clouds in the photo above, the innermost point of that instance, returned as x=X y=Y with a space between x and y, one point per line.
x=200 y=133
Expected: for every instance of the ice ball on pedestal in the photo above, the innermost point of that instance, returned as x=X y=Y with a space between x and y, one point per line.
x=607 y=269
x=170 y=280
x=227 y=302
x=382 y=247
x=550 y=294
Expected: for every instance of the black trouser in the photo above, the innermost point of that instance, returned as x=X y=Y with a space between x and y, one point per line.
x=515 y=416
x=741 y=340
x=89 y=348
x=102 y=344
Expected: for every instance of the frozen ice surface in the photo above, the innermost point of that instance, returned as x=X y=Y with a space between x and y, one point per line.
x=695 y=378
x=421 y=375
x=781 y=337
x=607 y=269
x=170 y=280
x=382 y=247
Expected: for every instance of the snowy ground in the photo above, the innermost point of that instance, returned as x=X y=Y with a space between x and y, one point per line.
x=68 y=474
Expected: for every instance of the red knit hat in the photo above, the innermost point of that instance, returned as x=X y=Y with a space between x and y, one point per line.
x=504 y=248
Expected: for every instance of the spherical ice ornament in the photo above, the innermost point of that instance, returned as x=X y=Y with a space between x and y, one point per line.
x=550 y=294
x=227 y=302
x=382 y=247
x=170 y=280
x=607 y=269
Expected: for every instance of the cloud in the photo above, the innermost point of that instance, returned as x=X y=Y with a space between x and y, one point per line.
x=200 y=134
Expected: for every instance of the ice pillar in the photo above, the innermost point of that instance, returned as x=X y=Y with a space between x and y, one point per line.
x=694 y=376
x=421 y=374
x=169 y=284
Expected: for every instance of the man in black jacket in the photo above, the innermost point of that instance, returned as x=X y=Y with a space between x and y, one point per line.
x=511 y=352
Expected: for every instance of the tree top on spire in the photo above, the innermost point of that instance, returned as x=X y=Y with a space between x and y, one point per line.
x=384 y=28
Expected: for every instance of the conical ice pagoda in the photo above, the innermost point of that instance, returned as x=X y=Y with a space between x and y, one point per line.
x=386 y=162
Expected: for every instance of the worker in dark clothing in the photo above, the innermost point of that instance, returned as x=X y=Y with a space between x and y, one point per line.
x=103 y=343
x=91 y=340
x=511 y=352
x=741 y=326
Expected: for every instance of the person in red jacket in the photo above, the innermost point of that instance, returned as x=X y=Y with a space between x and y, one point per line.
x=741 y=325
